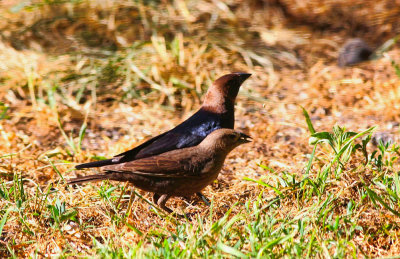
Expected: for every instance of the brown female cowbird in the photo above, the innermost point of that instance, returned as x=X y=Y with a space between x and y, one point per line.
x=180 y=172
x=216 y=112
x=354 y=51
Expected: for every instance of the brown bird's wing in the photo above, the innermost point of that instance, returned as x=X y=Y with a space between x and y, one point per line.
x=156 y=166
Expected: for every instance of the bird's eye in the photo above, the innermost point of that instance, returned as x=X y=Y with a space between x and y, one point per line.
x=232 y=137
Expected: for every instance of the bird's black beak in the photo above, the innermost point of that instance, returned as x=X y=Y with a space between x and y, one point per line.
x=243 y=76
x=245 y=138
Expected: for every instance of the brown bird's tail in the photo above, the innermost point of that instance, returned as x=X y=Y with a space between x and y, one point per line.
x=88 y=178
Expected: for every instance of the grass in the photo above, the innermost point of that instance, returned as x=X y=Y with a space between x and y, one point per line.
x=319 y=181
x=323 y=217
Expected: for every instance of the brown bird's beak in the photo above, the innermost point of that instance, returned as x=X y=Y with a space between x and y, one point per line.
x=245 y=138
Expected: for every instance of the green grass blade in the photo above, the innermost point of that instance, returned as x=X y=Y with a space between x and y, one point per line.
x=350 y=141
x=397 y=183
x=230 y=250
x=4 y=220
x=375 y=197
x=308 y=121
x=82 y=133
x=310 y=162
x=263 y=184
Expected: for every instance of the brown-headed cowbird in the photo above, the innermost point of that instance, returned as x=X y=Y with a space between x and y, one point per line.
x=354 y=51
x=180 y=172
x=216 y=112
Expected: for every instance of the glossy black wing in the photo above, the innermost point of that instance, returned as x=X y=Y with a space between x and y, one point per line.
x=131 y=154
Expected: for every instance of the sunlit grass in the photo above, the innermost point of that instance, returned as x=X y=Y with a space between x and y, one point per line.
x=319 y=212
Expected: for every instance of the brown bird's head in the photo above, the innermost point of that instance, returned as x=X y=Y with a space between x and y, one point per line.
x=224 y=140
x=221 y=95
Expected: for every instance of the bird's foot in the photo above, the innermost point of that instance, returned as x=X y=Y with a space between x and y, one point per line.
x=204 y=198
x=190 y=216
x=201 y=196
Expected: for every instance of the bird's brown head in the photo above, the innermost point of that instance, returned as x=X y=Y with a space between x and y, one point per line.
x=224 y=140
x=221 y=95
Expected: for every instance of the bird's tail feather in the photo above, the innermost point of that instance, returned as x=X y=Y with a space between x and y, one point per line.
x=88 y=178
x=95 y=164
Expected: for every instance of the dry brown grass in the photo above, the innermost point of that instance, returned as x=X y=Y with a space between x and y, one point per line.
x=133 y=70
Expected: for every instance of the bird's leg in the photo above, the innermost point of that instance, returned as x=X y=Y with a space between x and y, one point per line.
x=122 y=194
x=204 y=198
x=187 y=199
x=131 y=199
x=156 y=196
x=161 y=202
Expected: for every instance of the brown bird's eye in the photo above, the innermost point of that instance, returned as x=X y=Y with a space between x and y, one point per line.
x=233 y=137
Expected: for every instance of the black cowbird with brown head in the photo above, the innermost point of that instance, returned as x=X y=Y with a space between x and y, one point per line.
x=180 y=172
x=354 y=51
